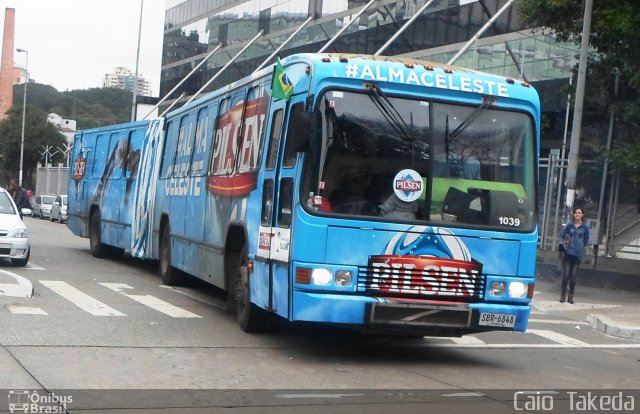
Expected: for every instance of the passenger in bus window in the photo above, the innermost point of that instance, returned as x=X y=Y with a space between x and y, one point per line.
x=472 y=168
x=394 y=208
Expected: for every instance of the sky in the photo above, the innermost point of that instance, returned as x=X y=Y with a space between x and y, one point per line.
x=72 y=44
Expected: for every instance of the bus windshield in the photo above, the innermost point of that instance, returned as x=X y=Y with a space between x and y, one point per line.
x=399 y=159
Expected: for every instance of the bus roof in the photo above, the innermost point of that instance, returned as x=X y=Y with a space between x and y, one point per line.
x=417 y=72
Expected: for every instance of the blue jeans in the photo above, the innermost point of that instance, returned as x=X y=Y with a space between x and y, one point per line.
x=570 y=265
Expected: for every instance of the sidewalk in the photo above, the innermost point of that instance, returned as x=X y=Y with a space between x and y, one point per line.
x=607 y=296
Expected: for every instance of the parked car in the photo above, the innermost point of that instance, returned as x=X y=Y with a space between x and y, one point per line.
x=14 y=239
x=42 y=206
x=59 y=209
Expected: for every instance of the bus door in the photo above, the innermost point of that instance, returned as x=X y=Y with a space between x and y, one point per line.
x=273 y=251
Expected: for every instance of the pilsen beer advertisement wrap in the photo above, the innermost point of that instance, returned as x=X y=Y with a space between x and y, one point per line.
x=429 y=261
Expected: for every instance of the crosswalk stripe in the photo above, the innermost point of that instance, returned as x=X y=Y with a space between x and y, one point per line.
x=152 y=302
x=26 y=310
x=80 y=299
x=558 y=337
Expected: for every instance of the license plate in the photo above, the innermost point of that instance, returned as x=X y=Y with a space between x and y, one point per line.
x=497 y=319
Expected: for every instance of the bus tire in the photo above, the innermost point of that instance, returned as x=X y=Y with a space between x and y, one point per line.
x=170 y=275
x=98 y=249
x=250 y=317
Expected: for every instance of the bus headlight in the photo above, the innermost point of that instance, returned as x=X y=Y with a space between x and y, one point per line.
x=517 y=290
x=343 y=277
x=321 y=277
x=496 y=288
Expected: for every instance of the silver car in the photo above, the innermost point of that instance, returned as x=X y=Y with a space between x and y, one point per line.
x=59 y=209
x=14 y=239
x=42 y=206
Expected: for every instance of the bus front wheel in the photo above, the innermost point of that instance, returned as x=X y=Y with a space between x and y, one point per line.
x=168 y=273
x=251 y=318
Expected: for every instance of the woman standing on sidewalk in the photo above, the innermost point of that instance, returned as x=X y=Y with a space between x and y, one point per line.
x=575 y=237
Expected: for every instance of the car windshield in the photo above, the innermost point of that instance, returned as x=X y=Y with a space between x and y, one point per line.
x=48 y=199
x=390 y=158
x=64 y=200
x=6 y=206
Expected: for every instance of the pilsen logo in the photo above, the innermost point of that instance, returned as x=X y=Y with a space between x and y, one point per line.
x=235 y=154
x=419 y=275
x=79 y=166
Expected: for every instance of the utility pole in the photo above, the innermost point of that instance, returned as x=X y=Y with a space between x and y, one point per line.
x=574 y=148
x=135 y=80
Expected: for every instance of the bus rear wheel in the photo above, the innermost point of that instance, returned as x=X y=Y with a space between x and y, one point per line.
x=170 y=275
x=250 y=317
x=98 y=249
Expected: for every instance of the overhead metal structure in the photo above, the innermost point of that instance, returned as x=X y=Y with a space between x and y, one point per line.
x=403 y=28
x=346 y=26
x=482 y=30
x=164 y=98
x=252 y=41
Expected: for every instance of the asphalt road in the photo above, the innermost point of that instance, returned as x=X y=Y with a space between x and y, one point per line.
x=107 y=334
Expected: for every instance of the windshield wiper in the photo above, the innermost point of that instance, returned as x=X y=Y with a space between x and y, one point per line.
x=487 y=101
x=389 y=111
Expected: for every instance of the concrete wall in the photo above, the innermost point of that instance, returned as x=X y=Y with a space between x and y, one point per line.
x=51 y=180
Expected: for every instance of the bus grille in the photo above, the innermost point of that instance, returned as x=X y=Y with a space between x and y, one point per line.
x=412 y=284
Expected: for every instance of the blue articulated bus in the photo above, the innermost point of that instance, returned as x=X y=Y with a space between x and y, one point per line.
x=378 y=193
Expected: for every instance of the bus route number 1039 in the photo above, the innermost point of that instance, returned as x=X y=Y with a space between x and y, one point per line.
x=509 y=221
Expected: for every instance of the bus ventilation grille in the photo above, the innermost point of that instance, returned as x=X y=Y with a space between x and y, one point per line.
x=404 y=283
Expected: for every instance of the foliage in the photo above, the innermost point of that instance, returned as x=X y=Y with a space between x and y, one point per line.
x=89 y=107
x=37 y=133
x=615 y=36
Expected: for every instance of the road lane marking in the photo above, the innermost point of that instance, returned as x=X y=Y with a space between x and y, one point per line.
x=467 y=340
x=196 y=296
x=558 y=321
x=152 y=302
x=33 y=266
x=532 y=346
x=22 y=289
x=558 y=337
x=26 y=310
x=80 y=299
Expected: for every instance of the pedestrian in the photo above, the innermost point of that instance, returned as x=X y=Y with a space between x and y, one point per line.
x=574 y=237
x=19 y=196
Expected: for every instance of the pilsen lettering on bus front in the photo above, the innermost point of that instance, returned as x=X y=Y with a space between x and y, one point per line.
x=230 y=175
x=428 y=78
x=429 y=276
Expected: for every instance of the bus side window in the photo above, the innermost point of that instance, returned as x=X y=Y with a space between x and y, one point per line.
x=168 y=158
x=285 y=203
x=290 y=152
x=185 y=142
x=274 y=139
x=267 y=203
x=200 y=148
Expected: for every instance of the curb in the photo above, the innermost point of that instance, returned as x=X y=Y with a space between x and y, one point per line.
x=609 y=327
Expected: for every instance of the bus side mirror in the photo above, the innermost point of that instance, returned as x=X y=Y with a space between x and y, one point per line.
x=306 y=130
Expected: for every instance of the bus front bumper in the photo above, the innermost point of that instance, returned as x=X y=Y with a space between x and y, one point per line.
x=409 y=316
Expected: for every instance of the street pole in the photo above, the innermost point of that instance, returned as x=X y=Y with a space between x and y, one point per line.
x=135 y=80
x=24 y=113
x=574 y=148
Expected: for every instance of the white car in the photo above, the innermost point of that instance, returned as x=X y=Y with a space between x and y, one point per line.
x=14 y=239
x=41 y=206
x=59 y=209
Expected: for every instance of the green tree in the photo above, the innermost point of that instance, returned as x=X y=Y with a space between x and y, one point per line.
x=615 y=36
x=37 y=133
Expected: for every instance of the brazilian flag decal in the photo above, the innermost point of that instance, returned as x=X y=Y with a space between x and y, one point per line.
x=282 y=88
